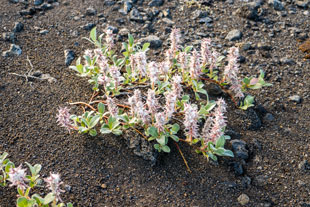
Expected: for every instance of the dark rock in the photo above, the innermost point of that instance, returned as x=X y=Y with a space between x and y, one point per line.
x=233 y=134
x=241 y=59
x=269 y=117
x=154 y=41
x=255 y=122
x=8 y=36
x=260 y=180
x=239 y=148
x=89 y=26
x=90 y=11
x=14 y=1
x=197 y=14
x=109 y=3
x=214 y=89
x=68 y=188
x=248 y=11
x=135 y=15
x=246 y=182
x=114 y=29
x=287 y=61
x=46 y=6
x=277 y=5
x=234 y=35
x=37 y=74
x=238 y=169
x=127 y=6
x=38 y=2
x=156 y=3
x=25 y=12
x=14 y=50
x=303 y=4
x=69 y=57
x=304 y=165
x=18 y=27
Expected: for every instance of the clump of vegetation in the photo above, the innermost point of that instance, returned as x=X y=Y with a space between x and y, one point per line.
x=25 y=184
x=167 y=99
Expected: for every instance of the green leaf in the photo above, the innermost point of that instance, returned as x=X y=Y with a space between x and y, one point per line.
x=8 y=166
x=48 y=198
x=152 y=131
x=105 y=129
x=22 y=202
x=69 y=205
x=175 y=128
x=162 y=140
x=165 y=148
x=92 y=132
x=188 y=49
x=220 y=142
x=38 y=198
x=93 y=34
x=93 y=121
x=157 y=147
x=31 y=168
x=185 y=98
x=174 y=137
x=228 y=153
x=37 y=168
x=145 y=46
x=212 y=156
x=195 y=141
x=117 y=131
x=246 y=81
x=101 y=108
x=130 y=40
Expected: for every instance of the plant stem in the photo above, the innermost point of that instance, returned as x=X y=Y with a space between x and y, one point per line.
x=188 y=169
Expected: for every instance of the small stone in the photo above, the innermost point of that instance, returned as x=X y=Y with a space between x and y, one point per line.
x=46 y=6
x=198 y=14
x=277 y=5
x=287 y=61
x=239 y=148
x=14 y=1
x=269 y=117
x=248 y=11
x=300 y=183
x=214 y=89
x=90 y=11
x=156 y=3
x=127 y=6
x=243 y=199
x=69 y=57
x=43 y=32
x=49 y=78
x=238 y=169
x=114 y=29
x=246 y=181
x=124 y=32
x=154 y=41
x=89 y=26
x=168 y=21
x=14 y=50
x=302 y=4
x=8 y=36
x=38 y=2
x=205 y=20
x=18 y=27
x=261 y=180
x=295 y=98
x=304 y=165
x=103 y=186
x=135 y=15
x=234 y=35
x=68 y=188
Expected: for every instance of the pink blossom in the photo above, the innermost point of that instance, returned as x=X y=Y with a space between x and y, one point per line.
x=191 y=121
x=171 y=99
x=112 y=107
x=205 y=51
x=17 y=176
x=215 y=124
x=109 y=38
x=195 y=69
x=139 y=59
x=164 y=67
x=89 y=53
x=175 y=37
x=102 y=61
x=183 y=60
x=176 y=85
x=53 y=183
x=153 y=73
x=116 y=75
x=142 y=113
x=63 y=118
x=160 y=121
x=152 y=102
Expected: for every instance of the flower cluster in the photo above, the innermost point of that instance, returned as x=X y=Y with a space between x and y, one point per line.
x=18 y=177
x=63 y=118
x=53 y=183
x=191 y=121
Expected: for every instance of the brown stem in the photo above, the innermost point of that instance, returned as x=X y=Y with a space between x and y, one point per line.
x=185 y=162
x=86 y=104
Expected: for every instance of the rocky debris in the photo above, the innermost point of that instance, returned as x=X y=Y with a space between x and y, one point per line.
x=135 y=15
x=127 y=7
x=18 y=27
x=38 y=2
x=154 y=41
x=88 y=26
x=248 y=11
x=239 y=148
x=8 y=36
x=198 y=14
x=14 y=1
x=46 y=6
x=69 y=57
x=214 y=89
x=168 y=21
x=41 y=76
x=90 y=11
x=269 y=117
x=114 y=29
x=243 y=199
x=246 y=181
x=238 y=168
x=234 y=35
x=205 y=20
x=295 y=98
x=26 y=12
x=277 y=5
x=156 y=3
x=44 y=31
x=124 y=32
x=260 y=180
x=304 y=165
x=254 y=121
x=14 y=50
x=303 y=4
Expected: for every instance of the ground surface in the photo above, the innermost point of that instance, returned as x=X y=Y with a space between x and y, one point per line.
x=275 y=174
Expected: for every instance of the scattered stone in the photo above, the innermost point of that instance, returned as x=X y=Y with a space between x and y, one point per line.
x=248 y=11
x=124 y=32
x=46 y=6
x=68 y=188
x=135 y=15
x=198 y=14
x=261 y=180
x=302 y=4
x=8 y=36
x=239 y=148
x=89 y=26
x=14 y=50
x=49 y=78
x=205 y=20
x=18 y=27
x=14 y=1
x=69 y=57
x=214 y=89
x=37 y=74
x=243 y=199
x=168 y=21
x=304 y=165
x=295 y=98
x=154 y=41
x=38 y=2
x=44 y=31
x=246 y=181
x=269 y=117
x=26 y=12
x=104 y=186
x=263 y=46
x=233 y=134
x=156 y=3
x=300 y=183
x=287 y=61
x=234 y=35
x=277 y=5
x=90 y=11
x=127 y=6
x=114 y=29
x=238 y=169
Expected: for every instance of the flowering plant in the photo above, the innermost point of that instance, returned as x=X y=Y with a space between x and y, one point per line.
x=164 y=97
x=25 y=183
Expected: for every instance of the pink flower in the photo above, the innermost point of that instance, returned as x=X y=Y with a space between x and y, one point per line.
x=164 y=67
x=139 y=59
x=176 y=85
x=102 y=61
x=109 y=38
x=191 y=121
x=231 y=72
x=215 y=124
x=142 y=113
x=171 y=99
x=153 y=73
x=183 y=60
x=63 y=118
x=195 y=69
x=53 y=183
x=152 y=102
x=112 y=107
x=116 y=75
x=205 y=51
x=89 y=53
x=17 y=176
x=175 y=37
x=160 y=121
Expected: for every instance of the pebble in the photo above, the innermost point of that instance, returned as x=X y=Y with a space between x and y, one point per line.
x=14 y=1
x=198 y=14
x=246 y=181
x=89 y=26
x=127 y=6
x=123 y=32
x=8 y=36
x=277 y=5
x=38 y=2
x=287 y=61
x=304 y=165
x=205 y=20
x=46 y=6
x=69 y=57
x=269 y=117
x=103 y=186
x=18 y=27
x=234 y=35
x=168 y=21
x=90 y=11
x=243 y=199
x=302 y=4
x=68 y=188
x=135 y=15
x=43 y=32
x=154 y=41
x=14 y=50
x=260 y=180
x=295 y=98
x=248 y=11
x=238 y=169
x=239 y=148
x=156 y=3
